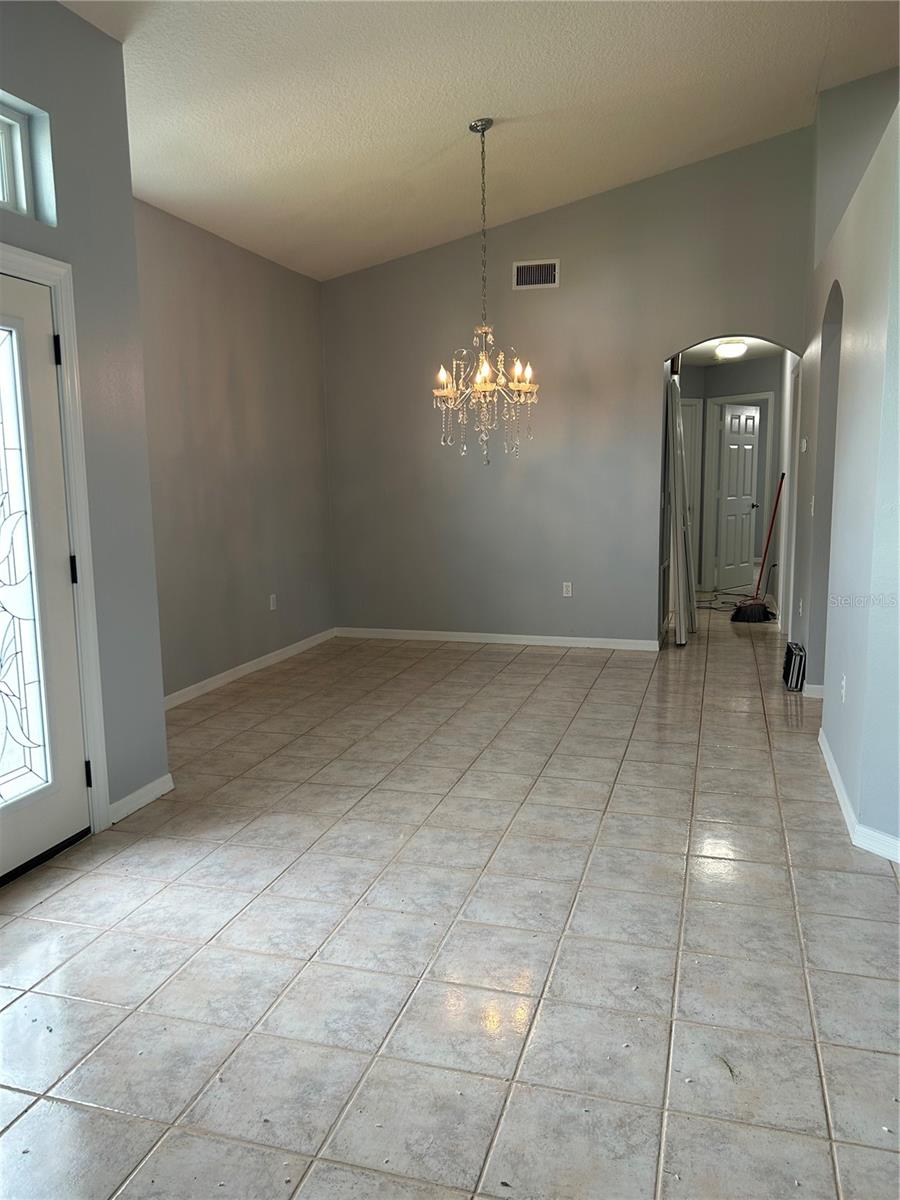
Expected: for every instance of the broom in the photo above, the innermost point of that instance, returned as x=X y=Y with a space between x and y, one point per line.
x=755 y=609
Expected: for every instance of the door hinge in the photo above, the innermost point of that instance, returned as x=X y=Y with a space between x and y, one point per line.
x=88 y=775
x=57 y=350
x=73 y=568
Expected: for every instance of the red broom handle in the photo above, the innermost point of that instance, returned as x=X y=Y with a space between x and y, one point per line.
x=762 y=565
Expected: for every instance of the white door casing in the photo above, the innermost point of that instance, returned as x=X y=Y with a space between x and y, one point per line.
x=43 y=792
x=692 y=420
x=738 y=454
x=789 y=509
x=57 y=276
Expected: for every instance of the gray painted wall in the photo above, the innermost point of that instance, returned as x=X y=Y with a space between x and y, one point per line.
x=850 y=586
x=692 y=378
x=232 y=352
x=51 y=58
x=861 y=639
x=424 y=540
x=879 y=789
x=822 y=465
x=850 y=121
x=850 y=125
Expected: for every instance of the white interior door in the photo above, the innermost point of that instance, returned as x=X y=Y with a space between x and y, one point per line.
x=738 y=451
x=43 y=793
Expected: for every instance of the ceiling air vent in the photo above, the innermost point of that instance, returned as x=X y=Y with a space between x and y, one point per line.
x=543 y=274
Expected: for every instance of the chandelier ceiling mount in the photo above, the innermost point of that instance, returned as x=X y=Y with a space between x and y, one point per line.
x=481 y=124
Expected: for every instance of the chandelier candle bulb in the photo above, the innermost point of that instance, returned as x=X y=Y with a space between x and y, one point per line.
x=478 y=379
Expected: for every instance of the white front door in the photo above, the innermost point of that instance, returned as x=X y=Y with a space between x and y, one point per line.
x=43 y=792
x=738 y=450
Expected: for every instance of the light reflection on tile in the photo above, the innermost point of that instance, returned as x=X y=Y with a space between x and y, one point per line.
x=449 y=867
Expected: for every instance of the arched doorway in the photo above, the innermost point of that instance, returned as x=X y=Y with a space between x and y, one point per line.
x=734 y=399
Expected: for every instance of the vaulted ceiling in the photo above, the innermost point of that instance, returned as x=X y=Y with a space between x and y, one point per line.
x=332 y=136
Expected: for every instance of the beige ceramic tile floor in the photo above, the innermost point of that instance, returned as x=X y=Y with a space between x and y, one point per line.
x=426 y=921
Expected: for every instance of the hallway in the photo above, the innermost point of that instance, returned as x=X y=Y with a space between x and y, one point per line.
x=430 y=920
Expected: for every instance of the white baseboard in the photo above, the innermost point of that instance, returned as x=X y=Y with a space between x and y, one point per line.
x=862 y=836
x=815 y=691
x=257 y=664
x=267 y=660
x=515 y=639
x=120 y=809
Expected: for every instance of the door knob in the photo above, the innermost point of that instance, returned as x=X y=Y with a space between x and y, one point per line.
x=754 y=505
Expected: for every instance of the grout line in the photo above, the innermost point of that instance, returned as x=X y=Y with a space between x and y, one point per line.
x=807 y=987
x=206 y=1135
x=549 y=975
x=135 y=1009
x=423 y=975
x=329 y=674
x=223 y=1064
x=676 y=978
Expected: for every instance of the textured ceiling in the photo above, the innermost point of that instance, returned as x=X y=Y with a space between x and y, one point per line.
x=331 y=136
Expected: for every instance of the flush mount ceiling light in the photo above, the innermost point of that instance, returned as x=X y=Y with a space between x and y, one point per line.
x=731 y=348
x=491 y=383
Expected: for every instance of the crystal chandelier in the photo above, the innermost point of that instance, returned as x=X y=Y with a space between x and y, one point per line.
x=491 y=383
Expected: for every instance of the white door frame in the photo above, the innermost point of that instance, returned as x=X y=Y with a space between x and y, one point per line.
x=696 y=499
x=57 y=276
x=709 y=563
x=789 y=541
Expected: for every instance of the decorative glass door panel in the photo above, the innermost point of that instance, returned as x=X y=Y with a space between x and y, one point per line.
x=24 y=761
x=43 y=794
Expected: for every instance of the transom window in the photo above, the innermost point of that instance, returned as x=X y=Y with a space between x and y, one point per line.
x=16 y=181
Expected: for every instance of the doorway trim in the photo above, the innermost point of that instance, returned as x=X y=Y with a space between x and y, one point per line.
x=696 y=497
x=792 y=467
x=711 y=475
x=57 y=276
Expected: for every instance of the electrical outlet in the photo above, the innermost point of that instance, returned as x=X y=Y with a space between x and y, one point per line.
x=273 y=602
x=800 y=608
x=843 y=688
x=567 y=588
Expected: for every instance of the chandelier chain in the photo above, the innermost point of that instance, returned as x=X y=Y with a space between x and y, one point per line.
x=483 y=235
